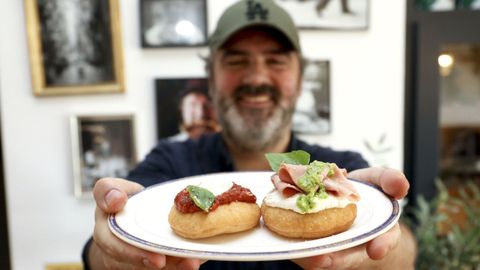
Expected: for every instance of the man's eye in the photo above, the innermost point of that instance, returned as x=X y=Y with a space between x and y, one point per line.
x=277 y=62
x=235 y=62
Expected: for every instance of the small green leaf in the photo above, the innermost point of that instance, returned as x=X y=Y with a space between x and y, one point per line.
x=202 y=197
x=298 y=157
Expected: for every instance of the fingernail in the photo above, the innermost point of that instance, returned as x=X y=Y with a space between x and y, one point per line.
x=147 y=263
x=112 y=196
x=326 y=262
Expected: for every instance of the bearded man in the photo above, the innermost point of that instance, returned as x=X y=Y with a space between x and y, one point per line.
x=255 y=69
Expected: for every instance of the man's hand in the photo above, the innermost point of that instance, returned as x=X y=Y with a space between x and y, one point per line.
x=109 y=252
x=394 y=249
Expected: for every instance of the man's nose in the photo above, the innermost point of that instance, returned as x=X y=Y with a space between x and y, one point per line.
x=257 y=74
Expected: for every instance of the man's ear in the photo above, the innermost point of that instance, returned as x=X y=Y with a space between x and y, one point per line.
x=300 y=84
x=299 y=89
x=303 y=63
x=208 y=61
x=210 y=74
x=211 y=82
x=211 y=85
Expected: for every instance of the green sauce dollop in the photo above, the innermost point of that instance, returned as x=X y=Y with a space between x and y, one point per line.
x=311 y=183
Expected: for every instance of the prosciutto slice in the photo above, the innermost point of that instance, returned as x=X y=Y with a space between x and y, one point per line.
x=339 y=185
x=285 y=188
x=289 y=174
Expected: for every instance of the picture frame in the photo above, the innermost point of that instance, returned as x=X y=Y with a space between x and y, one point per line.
x=74 y=46
x=312 y=113
x=435 y=5
x=102 y=146
x=328 y=14
x=446 y=5
x=184 y=108
x=173 y=23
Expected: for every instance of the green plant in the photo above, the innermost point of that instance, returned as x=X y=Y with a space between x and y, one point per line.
x=457 y=247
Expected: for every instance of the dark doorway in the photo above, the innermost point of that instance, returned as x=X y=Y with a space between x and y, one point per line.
x=4 y=251
x=428 y=134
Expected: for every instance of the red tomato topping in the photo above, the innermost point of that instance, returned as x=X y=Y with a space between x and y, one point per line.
x=236 y=193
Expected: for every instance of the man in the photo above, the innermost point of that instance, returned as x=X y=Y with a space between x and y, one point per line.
x=255 y=73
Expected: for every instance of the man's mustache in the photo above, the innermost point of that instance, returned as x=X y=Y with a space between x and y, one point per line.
x=257 y=90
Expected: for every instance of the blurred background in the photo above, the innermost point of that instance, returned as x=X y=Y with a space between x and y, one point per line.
x=398 y=81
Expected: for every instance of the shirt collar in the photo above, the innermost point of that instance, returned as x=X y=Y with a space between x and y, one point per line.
x=226 y=157
x=294 y=142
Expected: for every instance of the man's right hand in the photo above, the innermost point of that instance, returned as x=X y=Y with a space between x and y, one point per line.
x=109 y=252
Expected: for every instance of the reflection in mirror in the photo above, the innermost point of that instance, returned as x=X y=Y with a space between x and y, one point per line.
x=459 y=111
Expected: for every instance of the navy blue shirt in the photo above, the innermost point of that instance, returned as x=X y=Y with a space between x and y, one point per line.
x=171 y=160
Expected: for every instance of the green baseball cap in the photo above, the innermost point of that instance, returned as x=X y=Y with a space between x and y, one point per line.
x=248 y=13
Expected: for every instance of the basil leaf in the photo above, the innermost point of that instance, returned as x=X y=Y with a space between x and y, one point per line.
x=298 y=157
x=202 y=197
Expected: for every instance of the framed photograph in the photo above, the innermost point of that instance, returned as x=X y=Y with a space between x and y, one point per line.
x=468 y=4
x=75 y=46
x=173 y=23
x=328 y=14
x=435 y=5
x=102 y=146
x=184 y=109
x=312 y=113
x=447 y=5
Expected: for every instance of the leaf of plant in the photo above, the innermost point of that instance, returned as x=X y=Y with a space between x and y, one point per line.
x=202 y=197
x=458 y=249
x=298 y=157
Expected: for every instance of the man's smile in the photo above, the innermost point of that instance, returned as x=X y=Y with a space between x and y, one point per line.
x=255 y=101
x=260 y=97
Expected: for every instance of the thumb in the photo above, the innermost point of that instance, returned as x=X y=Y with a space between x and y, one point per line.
x=111 y=194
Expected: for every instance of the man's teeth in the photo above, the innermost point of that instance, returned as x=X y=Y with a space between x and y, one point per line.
x=261 y=98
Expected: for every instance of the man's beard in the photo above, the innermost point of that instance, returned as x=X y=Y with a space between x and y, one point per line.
x=254 y=129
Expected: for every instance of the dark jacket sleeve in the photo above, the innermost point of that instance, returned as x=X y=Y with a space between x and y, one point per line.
x=86 y=248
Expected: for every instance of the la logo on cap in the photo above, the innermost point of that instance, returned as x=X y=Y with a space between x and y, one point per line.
x=255 y=9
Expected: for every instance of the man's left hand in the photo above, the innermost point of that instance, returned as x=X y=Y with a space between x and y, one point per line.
x=393 y=183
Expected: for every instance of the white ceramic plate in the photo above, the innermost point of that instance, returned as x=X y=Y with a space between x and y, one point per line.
x=144 y=223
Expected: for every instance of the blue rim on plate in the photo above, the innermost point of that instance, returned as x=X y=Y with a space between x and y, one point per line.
x=258 y=256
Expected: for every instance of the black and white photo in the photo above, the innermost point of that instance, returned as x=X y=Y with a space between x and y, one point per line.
x=328 y=14
x=184 y=109
x=102 y=146
x=173 y=23
x=312 y=113
x=79 y=46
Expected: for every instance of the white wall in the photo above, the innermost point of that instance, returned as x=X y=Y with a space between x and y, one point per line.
x=47 y=224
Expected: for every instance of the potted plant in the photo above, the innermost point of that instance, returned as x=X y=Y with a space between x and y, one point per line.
x=447 y=229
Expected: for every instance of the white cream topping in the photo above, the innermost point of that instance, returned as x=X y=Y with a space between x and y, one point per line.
x=275 y=199
x=217 y=187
